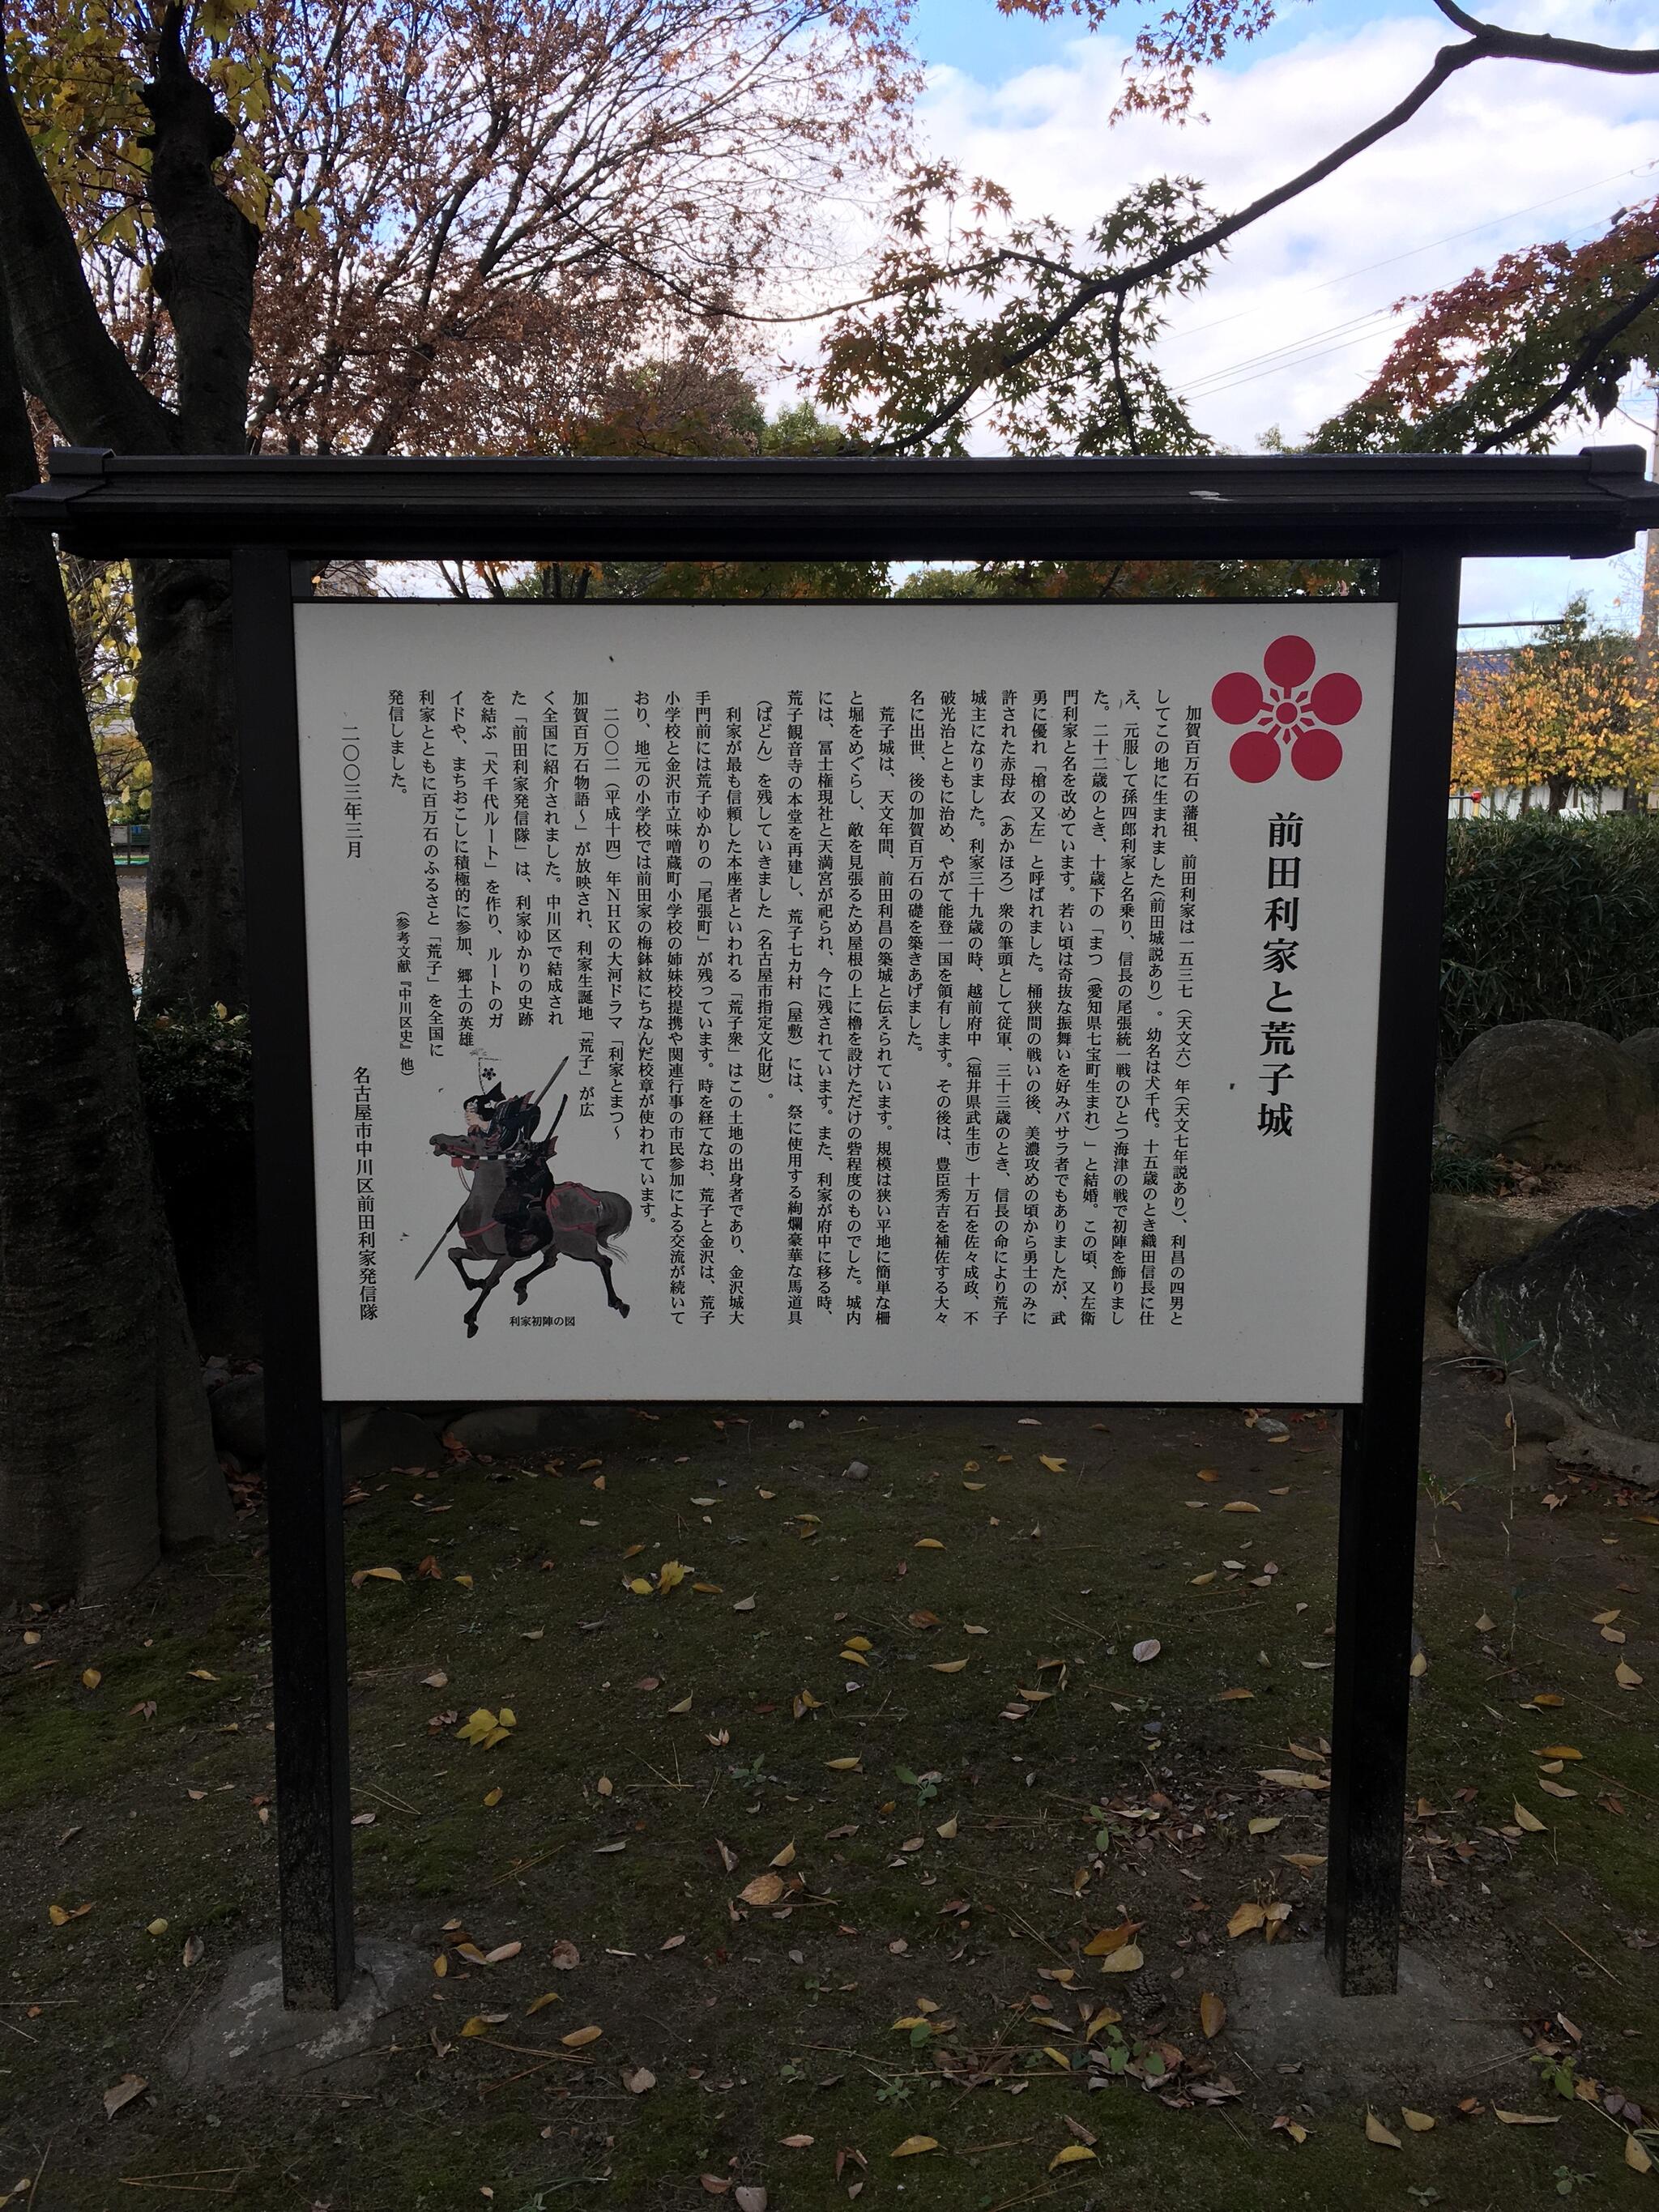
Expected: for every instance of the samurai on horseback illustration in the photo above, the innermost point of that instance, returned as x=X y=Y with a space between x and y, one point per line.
x=513 y=1211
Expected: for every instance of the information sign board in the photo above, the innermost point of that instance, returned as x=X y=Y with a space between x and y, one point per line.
x=929 y=1002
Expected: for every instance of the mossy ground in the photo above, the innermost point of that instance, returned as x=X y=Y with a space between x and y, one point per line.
x=1128 y=1790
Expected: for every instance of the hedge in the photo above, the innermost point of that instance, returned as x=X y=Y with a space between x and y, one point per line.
x=1550 y=920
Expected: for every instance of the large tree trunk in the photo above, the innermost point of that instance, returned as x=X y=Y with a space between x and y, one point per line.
x=106 y=1454
x=184 y=713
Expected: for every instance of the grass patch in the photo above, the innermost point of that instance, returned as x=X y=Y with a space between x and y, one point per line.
x=1013 y=1792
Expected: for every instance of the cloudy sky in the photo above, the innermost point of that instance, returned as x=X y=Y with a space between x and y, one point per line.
x=1507 y=155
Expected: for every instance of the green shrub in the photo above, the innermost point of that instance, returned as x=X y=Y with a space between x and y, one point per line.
x=197 y=1072
x=1461 y=1169
x=1549 y=920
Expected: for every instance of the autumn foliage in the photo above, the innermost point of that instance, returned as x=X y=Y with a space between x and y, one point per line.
x=1577 y=711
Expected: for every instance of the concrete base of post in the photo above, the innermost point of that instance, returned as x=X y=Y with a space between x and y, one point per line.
x=1445 y=2031
x=248 y=2035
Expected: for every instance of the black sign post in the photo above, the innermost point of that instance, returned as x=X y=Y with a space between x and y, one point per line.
x=279 y=519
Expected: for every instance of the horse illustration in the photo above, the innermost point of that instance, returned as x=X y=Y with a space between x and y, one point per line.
x=515 y=1212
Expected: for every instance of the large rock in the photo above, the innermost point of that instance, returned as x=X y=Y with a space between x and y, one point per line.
x=514 y=1432
x=1554 y=1094
x=1644 y=1049
x=1466 y=1236
x=378 y=1437
x=1589 y=1295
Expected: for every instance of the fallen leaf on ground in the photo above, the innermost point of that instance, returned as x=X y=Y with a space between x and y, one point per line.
x=913 y=2146
x=1263 y=1824
x=578 y=2037
x=1053 y=1466
x=566 y=1955
x=1211 y=2012
x=1240 y=1505
x=638 y=2081
x=541 y=2004
x=1376 y=2133
x=1129 y=1961
x=750 y=2198
x=1147 y=1649
x=1626 y=1676
x=1110 y=1939
x=90 y=1678
x=1419 y=2123
x=1248 y=1916
x=765 y=1889
x=947 y=1666
x=1529 y=1821
x=796 y=2142
x=843 y=1765
x=123 y=2093
x=1525 y=2120
x=1636 y=2156
x=1075 y=2154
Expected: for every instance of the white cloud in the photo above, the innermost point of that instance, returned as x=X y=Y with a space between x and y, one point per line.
x=1494 y=143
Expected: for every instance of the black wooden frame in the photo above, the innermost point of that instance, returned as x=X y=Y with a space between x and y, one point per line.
x=279 y=518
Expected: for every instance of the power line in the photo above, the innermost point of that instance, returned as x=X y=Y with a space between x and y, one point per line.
x=1492 y=222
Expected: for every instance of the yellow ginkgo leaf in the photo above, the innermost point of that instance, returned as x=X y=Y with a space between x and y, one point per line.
x=1626 y=1676
x=1419 y=2123
x=671 y=1574
x=913 y=2146
x=1376 y=2133
x=1053 y=1466
x=860 y=1643
x=640 y=1585
x=1073 y=2155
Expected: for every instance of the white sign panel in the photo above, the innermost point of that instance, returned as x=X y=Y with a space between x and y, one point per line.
x=932 y=1002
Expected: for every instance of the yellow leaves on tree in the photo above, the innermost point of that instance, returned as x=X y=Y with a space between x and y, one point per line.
x=1574 y=711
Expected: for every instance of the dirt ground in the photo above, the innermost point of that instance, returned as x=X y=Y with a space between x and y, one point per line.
x=1083 y=1723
